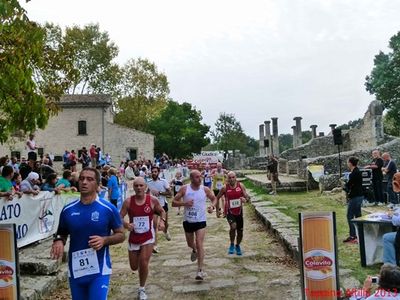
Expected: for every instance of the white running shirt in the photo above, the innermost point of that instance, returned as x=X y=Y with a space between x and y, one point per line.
x=196 y=213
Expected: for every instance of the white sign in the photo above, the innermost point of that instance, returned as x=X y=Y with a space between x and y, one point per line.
x=35 y=217
x=208 y=157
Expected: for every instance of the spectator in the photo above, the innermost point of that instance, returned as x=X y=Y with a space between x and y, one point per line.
x=93 y=155
x=273 y=173
x=14 y=164
x=64 y=182
x=130 y=171
x=6 y=188
x=50 y=184
x=31 y=147
x=388 y=285
x=112 y=185
x=389 y=168
x=30 y=184
x=49 y=157
x=104 y=176
x=66 y=159
x=3 y=162
x=84 y=158
x=26 y=168
x=16 y=181
x=377 y=176
x=355 y=197
x=72 y=159
x=45 y=169
x=75 y=180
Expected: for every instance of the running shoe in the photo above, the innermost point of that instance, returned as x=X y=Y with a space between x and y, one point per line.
x=200 y=275
x=238 y=250
x=231 y=249
x=193 y=255
x=142 y=294
x=155 y=250
x=167 y=236
x=350 y=239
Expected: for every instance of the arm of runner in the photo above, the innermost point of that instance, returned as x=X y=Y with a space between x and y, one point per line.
x=97 y=242
x=177 y=201
x=123 y=212
x=246 y=196
x=210 y=195
x=221 y=193
x=158 y=210
x=57 y=248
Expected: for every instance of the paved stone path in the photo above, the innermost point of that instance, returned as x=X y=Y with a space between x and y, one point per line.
x=263 y=272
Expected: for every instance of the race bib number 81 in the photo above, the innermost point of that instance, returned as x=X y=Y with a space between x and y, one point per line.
x=84 y=262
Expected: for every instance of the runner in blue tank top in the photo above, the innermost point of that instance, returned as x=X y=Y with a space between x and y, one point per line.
x=92 y=224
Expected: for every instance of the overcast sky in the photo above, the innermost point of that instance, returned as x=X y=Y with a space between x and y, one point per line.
x=256 y=59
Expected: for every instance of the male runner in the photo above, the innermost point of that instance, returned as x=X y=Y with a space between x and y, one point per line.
x=159 y=188
x=89 y=222
x=206 y=174
x=177 y=183
x=218 y=181
x=235 y=194
x=194 y=197
x=141 y=208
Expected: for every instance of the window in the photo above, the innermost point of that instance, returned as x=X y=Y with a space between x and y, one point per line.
x=82 y=128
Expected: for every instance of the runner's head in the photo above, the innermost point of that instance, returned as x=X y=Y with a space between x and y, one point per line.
x=140 y=186
x=219 y=166
x=178 y=174
x=195 y=178
x=155 y=171
x=89 y=181
x=232 y=178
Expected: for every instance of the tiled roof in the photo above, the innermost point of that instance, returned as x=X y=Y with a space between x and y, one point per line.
x=86 y=100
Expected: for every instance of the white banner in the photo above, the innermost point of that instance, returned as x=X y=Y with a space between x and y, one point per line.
x=35 y=217
x=208 y=157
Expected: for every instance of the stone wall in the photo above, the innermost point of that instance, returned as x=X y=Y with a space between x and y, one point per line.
x=367 y=135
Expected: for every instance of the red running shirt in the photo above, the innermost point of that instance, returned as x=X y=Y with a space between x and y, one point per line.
x=141 y=216
x=232 y=199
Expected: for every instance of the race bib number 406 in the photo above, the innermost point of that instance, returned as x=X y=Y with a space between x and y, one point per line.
x=141 y=224
x=84 y=262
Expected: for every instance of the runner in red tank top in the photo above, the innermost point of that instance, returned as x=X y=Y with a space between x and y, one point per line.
x=140 y=209
x=235 y=195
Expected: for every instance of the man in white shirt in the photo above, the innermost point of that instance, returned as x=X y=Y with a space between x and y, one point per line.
x=159 y=188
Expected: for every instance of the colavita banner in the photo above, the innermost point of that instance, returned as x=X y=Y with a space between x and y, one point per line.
x=9 y=273
x=35 y=217
x=319 y=267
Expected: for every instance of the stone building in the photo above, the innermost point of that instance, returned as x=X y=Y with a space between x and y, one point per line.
x=85 y=120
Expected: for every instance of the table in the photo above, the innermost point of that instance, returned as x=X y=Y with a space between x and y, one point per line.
x=370 y=229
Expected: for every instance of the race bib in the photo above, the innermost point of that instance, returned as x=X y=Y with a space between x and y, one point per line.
x=191 y=214
x=234 y=203
x=207 y=180
x=219 y=185
x=177 y=188
x=141 y=224
x=84 y=263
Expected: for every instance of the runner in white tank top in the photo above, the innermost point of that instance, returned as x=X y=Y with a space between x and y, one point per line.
x=194 y=197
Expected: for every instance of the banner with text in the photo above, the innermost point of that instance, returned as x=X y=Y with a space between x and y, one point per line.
x=35 y=217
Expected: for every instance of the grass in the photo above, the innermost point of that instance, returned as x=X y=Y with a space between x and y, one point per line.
x=295 y=202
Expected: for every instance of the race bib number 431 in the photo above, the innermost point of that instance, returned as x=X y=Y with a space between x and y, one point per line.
x=84 y=262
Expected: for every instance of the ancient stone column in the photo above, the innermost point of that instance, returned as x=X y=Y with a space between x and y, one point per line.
x=298 y=128
x=261 y=147
x=313 y=131
x=332 y=126
x=275 y=136
x=267 y=137
x=294 y=136
x=321 y=133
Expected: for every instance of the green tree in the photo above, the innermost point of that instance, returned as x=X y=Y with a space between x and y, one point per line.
x=229 y=135
x=178 y=130
x=144 y=93
x=90 y=53
x=25 y=103
x=384 y=81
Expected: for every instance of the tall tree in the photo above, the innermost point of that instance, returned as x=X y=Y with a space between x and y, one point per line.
x=384 y=81
x=229 y=135
x=144 y=93
x=179 y=131
x=25 y=103
x=90 y=54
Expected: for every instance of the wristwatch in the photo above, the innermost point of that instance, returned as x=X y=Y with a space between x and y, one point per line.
x=57 y=237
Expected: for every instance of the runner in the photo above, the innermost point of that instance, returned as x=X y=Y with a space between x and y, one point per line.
x=194 y=197
x=177 y=183
x=141 y=207
x=89 y=222
x=206 y=174
x=159 y=188
x=218 y=181
x=235 y=194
